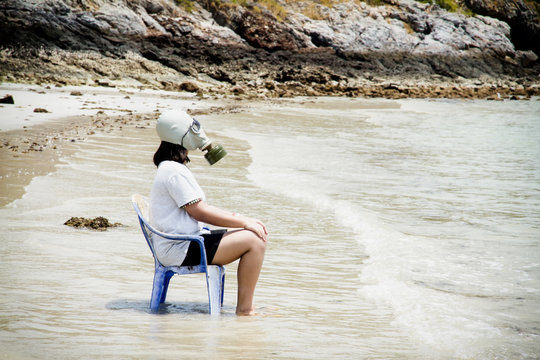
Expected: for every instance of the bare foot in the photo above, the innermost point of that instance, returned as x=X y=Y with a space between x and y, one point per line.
x=250 y=312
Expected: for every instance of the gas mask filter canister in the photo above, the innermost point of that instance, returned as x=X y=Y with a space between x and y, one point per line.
x=177 y=127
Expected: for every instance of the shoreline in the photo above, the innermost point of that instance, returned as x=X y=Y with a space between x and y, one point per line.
x=374 y=86
x=35 y=151
x=32 y=147
x=31 y=143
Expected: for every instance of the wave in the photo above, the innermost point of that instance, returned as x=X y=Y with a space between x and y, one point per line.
x=396 y=273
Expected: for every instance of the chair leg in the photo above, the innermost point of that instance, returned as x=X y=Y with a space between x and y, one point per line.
x=222 y=270
x=214 y=282
x=157 y=290
x=165 y=287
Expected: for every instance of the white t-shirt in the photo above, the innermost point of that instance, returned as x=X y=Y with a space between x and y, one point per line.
x=174 y=186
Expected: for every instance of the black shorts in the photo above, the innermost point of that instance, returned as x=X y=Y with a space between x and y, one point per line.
x=211 y=244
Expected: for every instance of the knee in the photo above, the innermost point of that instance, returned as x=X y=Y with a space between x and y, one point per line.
x=257 y=244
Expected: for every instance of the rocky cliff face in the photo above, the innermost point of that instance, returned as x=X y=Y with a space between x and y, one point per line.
x=519 y=15
x=219 y=46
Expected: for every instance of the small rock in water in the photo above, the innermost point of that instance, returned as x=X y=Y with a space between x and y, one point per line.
x=76 y=93
x=8 y=99
x=41 y=110
x=99 y=223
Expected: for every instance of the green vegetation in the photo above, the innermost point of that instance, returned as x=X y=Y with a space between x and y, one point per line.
x=327 y=3
x=187 y=5
x=313 y=9
x=375 y=2
x=271 y=5
x=450 y=5
x=275 y=8
x=331 y=3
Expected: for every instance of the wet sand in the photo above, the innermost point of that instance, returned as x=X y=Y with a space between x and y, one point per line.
x=31 y=143
x=95 y=286
x=34 y=151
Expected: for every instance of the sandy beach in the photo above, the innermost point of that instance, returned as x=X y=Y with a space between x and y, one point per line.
x=405 y=239
x=31 y=141
x=391 y=148
x=46 y=119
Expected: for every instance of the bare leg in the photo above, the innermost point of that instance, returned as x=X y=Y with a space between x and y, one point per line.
x=246 y=246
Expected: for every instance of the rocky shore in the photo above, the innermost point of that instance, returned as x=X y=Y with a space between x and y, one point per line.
x=266 y=49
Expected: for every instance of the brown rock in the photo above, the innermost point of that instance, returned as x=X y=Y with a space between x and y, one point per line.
x=527 y=58
x=8 y=99
x=189 y=87
x=99 y=223
x=238 y=90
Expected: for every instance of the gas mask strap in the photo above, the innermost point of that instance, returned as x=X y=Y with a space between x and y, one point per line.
x=182 y=141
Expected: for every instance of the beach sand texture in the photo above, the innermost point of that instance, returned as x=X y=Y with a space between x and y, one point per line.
x=77 y=293
x=31 y=142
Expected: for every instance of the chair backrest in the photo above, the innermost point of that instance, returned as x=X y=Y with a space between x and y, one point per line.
x=140 y=204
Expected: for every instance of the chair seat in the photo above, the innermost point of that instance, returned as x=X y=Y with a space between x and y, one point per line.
x=215 y=274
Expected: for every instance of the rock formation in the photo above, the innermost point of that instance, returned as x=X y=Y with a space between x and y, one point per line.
x=98 y=223
x=518 y=14
x=212 y=46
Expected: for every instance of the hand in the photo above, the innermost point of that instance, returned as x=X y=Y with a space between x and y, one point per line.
x=257 y=227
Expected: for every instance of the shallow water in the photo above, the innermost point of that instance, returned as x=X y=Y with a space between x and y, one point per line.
x=399 y=229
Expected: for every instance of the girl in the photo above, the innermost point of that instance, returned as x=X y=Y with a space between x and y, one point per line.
x=177 y=205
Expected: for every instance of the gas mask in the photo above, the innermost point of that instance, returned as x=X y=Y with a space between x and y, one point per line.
x=177 y=127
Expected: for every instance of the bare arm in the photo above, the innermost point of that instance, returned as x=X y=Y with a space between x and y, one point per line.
x=209 y=214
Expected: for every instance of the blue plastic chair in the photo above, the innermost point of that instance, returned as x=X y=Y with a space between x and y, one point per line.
x=215 y=274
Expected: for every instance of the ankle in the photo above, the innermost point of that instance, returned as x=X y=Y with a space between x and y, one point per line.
x=245 y=311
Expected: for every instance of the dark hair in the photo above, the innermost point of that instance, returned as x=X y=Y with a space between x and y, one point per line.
x=172 y=152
